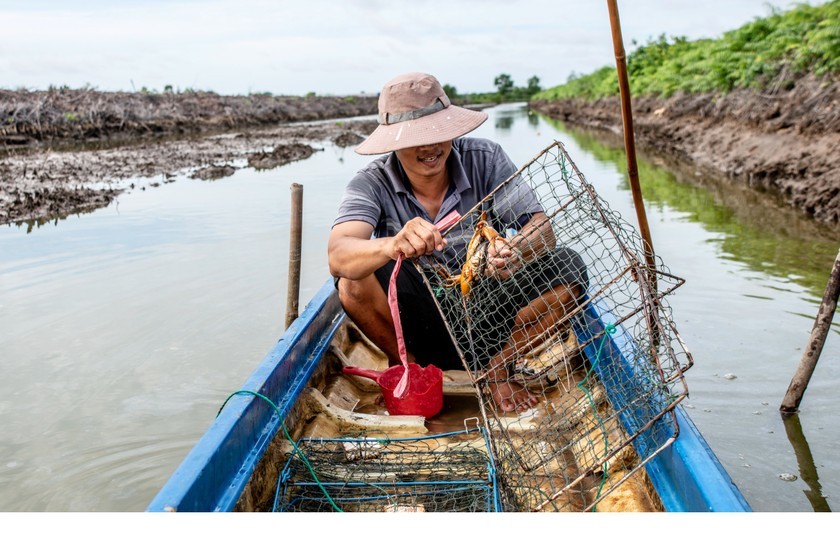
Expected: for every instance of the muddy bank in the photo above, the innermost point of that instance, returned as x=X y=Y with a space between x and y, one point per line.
x=777 y=141
x=42 y=185
x=61 y=115
x=781 y=141
x=64 y=167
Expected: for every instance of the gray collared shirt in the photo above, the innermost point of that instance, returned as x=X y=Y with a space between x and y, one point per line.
x=380 y=195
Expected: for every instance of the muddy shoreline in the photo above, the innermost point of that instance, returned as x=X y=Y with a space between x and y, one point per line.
x=782 y=143
x=52 y=167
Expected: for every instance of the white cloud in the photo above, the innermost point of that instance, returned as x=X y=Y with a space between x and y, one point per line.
x=329 y=46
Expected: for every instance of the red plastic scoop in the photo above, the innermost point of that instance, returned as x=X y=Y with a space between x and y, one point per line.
x=408 y=388
x=425 y=388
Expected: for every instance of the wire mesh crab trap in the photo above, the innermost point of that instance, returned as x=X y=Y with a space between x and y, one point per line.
x=449 y=472
x=573 y=320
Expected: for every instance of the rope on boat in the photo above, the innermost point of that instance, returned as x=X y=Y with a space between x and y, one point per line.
x=608 y=330
x=298 y=452
x=573 y=267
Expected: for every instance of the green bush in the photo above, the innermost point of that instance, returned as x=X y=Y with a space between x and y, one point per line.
x=765 y=51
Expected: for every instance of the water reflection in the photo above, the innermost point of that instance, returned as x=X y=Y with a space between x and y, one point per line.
x=132 y=324
x=32 y=225
x=755 y=229
x=807 y=469
x=506 y=116
x=504 y=121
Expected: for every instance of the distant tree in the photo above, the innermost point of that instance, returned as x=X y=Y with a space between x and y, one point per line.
x=504 y=84
x=533 y=85
x=450 y=91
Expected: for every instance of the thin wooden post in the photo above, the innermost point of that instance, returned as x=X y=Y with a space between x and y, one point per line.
x=293 y=289
x=633 y=172
x=796 y=389
x=629 y=140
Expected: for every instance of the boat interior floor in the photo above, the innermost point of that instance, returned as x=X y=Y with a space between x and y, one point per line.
x=537 y=444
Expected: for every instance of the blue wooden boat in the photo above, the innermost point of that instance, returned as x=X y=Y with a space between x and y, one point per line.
x=608 y=432
x=244 y=461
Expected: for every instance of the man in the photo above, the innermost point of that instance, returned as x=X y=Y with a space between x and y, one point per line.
x=390 y=208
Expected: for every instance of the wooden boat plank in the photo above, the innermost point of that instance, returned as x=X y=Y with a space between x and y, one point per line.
x=686 y=475
x=213 y=474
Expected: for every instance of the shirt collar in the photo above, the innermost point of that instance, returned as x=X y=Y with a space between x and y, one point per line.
x=457 y=174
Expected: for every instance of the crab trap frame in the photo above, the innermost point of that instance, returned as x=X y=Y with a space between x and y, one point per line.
x=576 y=364
x=436 y=473
x=574 y=317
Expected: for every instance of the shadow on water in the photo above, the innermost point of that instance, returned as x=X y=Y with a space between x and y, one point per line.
x=807 y=469
x=37 y=223
x=755 y=228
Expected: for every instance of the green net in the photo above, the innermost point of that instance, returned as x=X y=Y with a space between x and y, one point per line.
x=571 y=364
x=573 y=315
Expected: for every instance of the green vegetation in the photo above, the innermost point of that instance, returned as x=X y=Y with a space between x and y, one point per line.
x=506 y=92
x=770 y=50
x=766 y=237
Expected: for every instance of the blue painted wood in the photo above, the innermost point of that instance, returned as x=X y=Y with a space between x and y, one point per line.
x=214 y=473
x=687 y=475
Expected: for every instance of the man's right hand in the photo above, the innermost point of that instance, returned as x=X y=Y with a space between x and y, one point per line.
x=417 y=237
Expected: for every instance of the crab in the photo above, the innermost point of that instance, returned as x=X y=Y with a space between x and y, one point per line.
x=476 y=258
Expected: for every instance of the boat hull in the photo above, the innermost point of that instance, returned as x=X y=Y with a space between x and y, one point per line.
x=686 y=475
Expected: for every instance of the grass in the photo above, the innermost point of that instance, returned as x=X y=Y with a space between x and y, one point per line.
x=769 y=50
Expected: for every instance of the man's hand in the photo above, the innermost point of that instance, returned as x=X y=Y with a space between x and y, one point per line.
x=417 y=237
x=506 y=256
x=502 y=259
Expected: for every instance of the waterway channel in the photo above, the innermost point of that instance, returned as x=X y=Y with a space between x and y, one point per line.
x=124 y=329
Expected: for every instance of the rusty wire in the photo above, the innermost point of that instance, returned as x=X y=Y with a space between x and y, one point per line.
x=607 y=366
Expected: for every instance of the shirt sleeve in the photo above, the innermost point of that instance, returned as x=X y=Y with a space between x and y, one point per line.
x=516 y=201
x=360 y=202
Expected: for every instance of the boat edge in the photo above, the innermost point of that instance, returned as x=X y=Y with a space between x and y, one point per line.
x=214 y=473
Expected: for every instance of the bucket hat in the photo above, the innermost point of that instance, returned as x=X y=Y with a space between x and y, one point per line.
x=415 y=111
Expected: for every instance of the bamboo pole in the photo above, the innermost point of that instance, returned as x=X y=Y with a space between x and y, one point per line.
x=629 y=140
x=293 y=288
x=632 y=167
x=822 y=324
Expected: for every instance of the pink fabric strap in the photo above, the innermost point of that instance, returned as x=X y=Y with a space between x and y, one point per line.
x=402 y=387
x=395 y=315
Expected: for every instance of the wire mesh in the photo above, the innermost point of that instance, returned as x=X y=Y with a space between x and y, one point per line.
x=573 y=315
x=450 y=472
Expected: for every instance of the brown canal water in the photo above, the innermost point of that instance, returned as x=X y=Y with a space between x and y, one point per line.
x=125 y=329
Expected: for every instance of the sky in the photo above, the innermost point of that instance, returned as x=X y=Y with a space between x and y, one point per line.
x=333 y=47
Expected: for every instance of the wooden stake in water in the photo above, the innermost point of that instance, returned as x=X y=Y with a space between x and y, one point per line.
x=796 y=390
x=293 y=290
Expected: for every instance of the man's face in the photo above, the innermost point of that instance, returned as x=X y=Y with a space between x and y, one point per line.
x=425 y=161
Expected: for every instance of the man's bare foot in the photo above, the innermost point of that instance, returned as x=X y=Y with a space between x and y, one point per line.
x=511 y=396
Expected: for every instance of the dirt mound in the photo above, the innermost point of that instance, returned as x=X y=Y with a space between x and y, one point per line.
x=69 y=151
x=781 y=140
x=281 y=155
x=45 y=204
x=27 y=116
x=213 y=172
